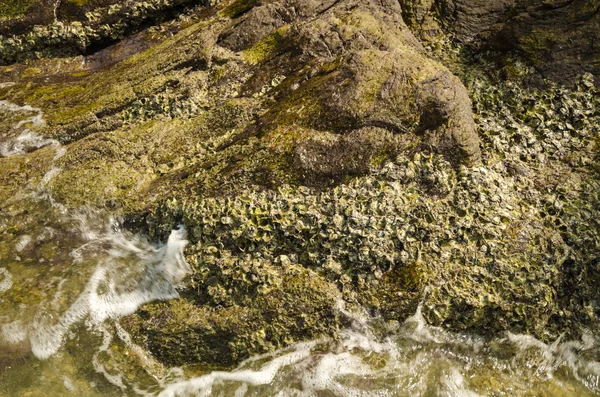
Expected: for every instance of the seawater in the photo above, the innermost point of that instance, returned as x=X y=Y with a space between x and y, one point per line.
x=414 y=359
x=52 y=307
x=21 y=137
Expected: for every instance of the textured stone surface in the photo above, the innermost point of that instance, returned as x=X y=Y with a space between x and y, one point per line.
x=465 y=19
x=558 y=37
x=38 y=28
x=316 y=155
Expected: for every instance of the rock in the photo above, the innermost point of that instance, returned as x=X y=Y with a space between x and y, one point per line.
x=34 y=28
x=556 y=37
x=270 y=97
x=331 y=155
x=367 y=71
x=298 y=306
x=465 y=19
x=315 y=152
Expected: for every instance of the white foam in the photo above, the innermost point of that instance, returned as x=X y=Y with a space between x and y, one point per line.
x=114 y=379
x=133 y=273
x=453 y=384
x=27 y=140
x=330 y=371
x=23 y=243
x=148 y=363
x=61 y=151
x=561 y=354
x=418 y=360
x=48 y=176
x=14 y=332
x=5 y=280
x=68 y=383
x=202 y=386
x=37 y=120
x=12 y=107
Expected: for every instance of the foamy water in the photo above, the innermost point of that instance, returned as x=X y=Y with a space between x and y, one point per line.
x=126 y=271
x=130 y=272
x=5 y=280
x=21 y=138
x=415 y=359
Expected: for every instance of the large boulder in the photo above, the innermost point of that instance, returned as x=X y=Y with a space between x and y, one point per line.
x=362 y=67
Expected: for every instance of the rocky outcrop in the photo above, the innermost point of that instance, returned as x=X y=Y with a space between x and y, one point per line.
x=368 y=71
x=321 y=162
x=559 y=38
x=249 y=97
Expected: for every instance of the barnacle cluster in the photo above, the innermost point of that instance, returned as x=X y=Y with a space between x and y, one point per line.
x=160 y=104
x=102 y=24
x=293 y=205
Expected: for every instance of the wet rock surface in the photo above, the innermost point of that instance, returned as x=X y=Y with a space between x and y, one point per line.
x=558 y=37
x=320 y=158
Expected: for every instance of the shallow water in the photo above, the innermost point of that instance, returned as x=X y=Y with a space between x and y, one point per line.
x=17 y=129
x=67 y=340
x=67 y=277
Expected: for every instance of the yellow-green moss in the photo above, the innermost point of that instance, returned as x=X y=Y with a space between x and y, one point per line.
x=79 y=2
x=31 y=72
x=238 y=7
x=267 y=47
x=14 y=8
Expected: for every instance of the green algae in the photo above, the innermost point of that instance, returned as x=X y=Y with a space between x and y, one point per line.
x=238 y=7
x=79 y=2
x=267 y=47
x=10 y=9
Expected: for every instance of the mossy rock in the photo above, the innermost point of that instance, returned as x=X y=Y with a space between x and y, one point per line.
x=298 y=304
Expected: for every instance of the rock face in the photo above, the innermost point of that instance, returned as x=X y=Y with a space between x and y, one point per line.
x=383 y=79
x=246 y=97
x=465 y=19
x=558 y=37
x=319 y=158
